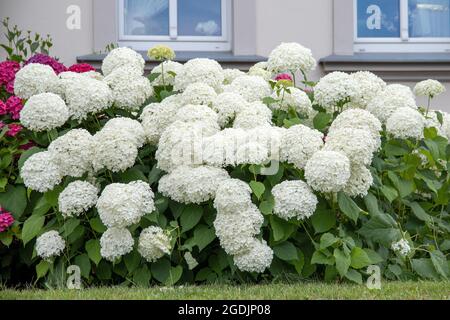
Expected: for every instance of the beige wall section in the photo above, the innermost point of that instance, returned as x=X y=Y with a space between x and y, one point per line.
x=49 y=16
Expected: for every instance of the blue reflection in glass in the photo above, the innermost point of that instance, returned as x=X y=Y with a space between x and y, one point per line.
x=378 y=18
x=146 y=17
x=429 y=18
x=199 y=18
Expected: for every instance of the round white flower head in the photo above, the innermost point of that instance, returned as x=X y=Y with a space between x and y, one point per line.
x=334 y=90
x=73 y=152
x=359 y=183
x=120 y=57
x=153 y=243
x=258 y=259
x=122 y=75
x=295 y=99
x=128 y=127
x=251 y=88
x=405 y=123
x=401 y=247
x=237 y=231
x=231 y=74
x=64 y=78
x=220 y=149
x=291 y=57
x=298 y=144
x=260 y=72
x=198 y=93
x=170 y=68
x=253 y=115
x=294 y=199
x=115 y=243
x=327 y=171
x=227 y=105
x=431 y=121
x=85 y=96
x=113 y=150
x=49 y=244
x=197 y=113
x=76 y=198
x=40 y=173
x=192 y=184
x=44 y=112
x=199 y=70
x=131 y=95
x=429 y=88
x=122 y=205
x=368 y=86
x=34 y=78
x=252 y=153
x=357 y=144
x=232 y=196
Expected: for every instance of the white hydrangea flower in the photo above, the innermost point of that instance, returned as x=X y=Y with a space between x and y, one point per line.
x=199 y=70
x=253 y=115
x=368 y=86
x=260 y=72
x=44 y=112
x=197 y=113
x=122 y=205
x=431 y=121
x=402 y=247
x=121 y=75
x=34 y=78
x=64 y=78
x=258 y=259
x=115 y=243
x=73 y=152
x=40 y=173
x=405 y=123
x=85 y=96
x=198 y=93
x=170 y=68
x=220 y=149
x=359 y=183
x=153 y=243
x=446 y=125
x=294 y=199
x=76 y=198
x=295 y=98
x=251 y=88
x=231 y=74
x=50 y=244
x=334 y=89
x=227 y=105
x=429 y=88
x=120 y=57
x=357 y=144
x=291 y=57
x=192 y=184
x=252 y=153
x=327 y=171
x=131 y=95
x=128 y=127
x=298 y=144
x=232 y=196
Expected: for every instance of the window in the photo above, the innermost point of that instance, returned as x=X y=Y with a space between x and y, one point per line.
x=188 y=25
x=402 y=26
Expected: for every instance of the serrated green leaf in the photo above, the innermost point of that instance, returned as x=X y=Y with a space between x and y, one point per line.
x=258 y=188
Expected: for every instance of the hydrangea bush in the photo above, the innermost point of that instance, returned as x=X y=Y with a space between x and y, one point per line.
x=198 y=174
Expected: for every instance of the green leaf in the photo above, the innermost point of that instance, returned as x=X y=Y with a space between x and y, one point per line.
x=322 y=120
x=97 y=225
x=85 y=265
x=32 y=226
x=104 y=271
x=68 y=227
x=323 y=220
x=42 y=268
x=190 y=217
x=153 y=76
x=404 y=187
x=174 y=275
x=440 y=263
x=373 y=256
x=266 y=207
x=286 y=251
x=354 y=276
x=154 y=175
x=160 y=270
x=281 y=229
x=327 y=240
x=390 y=193
x=133 y=174
x=52 y=196
x=14 y=200
x=258 y=188
x=320 y=258
x=419 y=212
x=360 y=259
x=381 y=228
x=93 y=250
x=424 y=268
x=132 y=261
x=343 y=261
x=371 y=203
x=348 y=206
x=142 y=277
x=203 y=236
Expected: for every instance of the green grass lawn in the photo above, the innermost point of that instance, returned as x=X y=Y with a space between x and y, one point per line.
x=314 y=290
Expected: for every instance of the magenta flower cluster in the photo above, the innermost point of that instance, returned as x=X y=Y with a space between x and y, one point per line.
x=8 y=70
x=6 y=220
x=57 y=66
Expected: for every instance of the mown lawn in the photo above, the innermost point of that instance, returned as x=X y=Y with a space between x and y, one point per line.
x=308 y=291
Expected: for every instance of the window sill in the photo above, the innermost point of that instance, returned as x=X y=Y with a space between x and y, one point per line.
x=226 y=59
x=393 y=66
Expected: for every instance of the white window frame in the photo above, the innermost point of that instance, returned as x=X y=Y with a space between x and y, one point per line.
x=404 y=43
x=178 y=43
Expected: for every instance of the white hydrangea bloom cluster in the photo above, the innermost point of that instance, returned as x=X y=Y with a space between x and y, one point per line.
x=192 y=184
x=231 y=74
x=368 y=86
x=76 y=198
x=359 y=182
x=122 y=205
x=44 y=112
x=258 y=259
x=253 y=115
x=429 y=88
x=227 y=105
x=446 y=125
x=129 y=127
x=34 y=78
x=200 y=70
x=291 y=57
x=40 y=173
x=197 y=113
x=295 y=98
x=198 y=93
x=115 y=243
x=153 y=243
x=252 y=153
x=130 y=94
x=251 y=88
x=402 y=247
x=294 y=199
x=431 y=121
x=50 y=244
x=334 y=90
x=405 y=123
x=64 y=78
x=120 y=57
x=122 y=74
x=170 y=68
x=260 y=72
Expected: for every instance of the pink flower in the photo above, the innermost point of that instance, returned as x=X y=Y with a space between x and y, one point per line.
x=3 y=108
x=283 y=76
x=6 y=220
x=27 y=146
x=57 y=66
x=81 y=68
x=2 y=124
x=10 y=87
x=14 y=129
x=14 y=105
x=8 y=70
